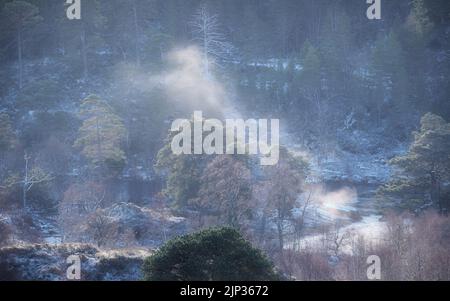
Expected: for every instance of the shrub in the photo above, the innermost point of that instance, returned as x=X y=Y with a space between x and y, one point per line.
x=5 y=233
x=210 y=255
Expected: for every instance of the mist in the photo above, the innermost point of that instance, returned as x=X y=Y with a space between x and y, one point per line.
x=88 y=105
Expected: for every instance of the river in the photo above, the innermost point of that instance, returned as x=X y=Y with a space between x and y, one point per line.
x=342 y=208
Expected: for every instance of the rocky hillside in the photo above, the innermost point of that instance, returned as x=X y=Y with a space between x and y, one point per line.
x=48 y=263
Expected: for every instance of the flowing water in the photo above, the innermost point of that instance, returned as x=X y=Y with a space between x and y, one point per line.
x=343 y=208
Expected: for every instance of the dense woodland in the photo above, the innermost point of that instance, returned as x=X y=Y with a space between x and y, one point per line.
x=86 y=107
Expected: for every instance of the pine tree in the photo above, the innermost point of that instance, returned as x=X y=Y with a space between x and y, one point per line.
x=415 y=37
x=422 y=171
x=83 y=37
x=310 y=82
x=7 y=135
x=438 y=11
x=101 y=135
x=419 y=20
x=388 y=78
x=335 y=47
x=311 y=68
x=21 y=15
x=132 y=28
x=310 y=78
x=183 y=174
x=210 y=255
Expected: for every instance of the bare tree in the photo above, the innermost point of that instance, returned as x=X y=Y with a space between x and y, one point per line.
x=284 y=184
x=80 y=201
x=337 y=238
x=206 y=31
x=305 y=206
x=226 y=191
x=32 y=177
x=101 y=229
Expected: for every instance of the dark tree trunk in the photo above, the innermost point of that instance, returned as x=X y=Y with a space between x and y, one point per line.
x=436 y=192
x=136 y=33
x=280 y=235
x=20 y=56
x=84 y=52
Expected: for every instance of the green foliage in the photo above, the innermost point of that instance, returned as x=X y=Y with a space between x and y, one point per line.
x=21 y=13
x=210 y=255
x=61 y=125
x=438 y=11
x=40 y=95
x=419 y=20
x=297 y=164
x=388 y=81
x=83 y=38
x=430 y=150
x=310 y=76
x=183 y=175
x=101 y=135
x=5 y=233
x=335 y=46
x=141 y=110
x=423 y=170
x=7 y=135
x=388 y=61
x=10 y=192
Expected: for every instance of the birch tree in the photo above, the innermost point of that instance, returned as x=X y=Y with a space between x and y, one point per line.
x=80 y=202
x=226 y=191
x=284 y=185
x=32 y=177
